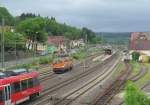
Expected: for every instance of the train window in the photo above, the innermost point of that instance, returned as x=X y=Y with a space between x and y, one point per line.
x=1 y=96
x=36 y=81
x=15 y=87
x=24 y=84
x=30 y=83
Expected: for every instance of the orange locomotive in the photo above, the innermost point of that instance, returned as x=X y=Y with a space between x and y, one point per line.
x=62 y=65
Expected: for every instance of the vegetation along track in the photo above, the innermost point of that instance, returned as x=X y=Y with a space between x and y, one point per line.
x=138 y=76
x=73 y=79
x=105 y=97
x=143 y=71
x=147 y=84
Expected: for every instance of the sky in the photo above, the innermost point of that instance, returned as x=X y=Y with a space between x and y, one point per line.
x=98 y=15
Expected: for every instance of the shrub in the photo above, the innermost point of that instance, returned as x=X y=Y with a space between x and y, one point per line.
x=79 y=55
x=45 y=60
x=135 y=96
x=28 y=65
x=145 y=59
x=135 y=56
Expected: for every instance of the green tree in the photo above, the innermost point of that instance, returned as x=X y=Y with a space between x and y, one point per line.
x=24 y=16
x=135 y=56
x=34 y=30
x=96 y=40
x=4 y=14
x=14 y=39
x=88 y=34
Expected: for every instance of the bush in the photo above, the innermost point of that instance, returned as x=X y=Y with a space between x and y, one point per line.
x=145 y=59
x=135 y=96
x=79 y=55
x=28 y=65
x=135 y=56
x=45 y=60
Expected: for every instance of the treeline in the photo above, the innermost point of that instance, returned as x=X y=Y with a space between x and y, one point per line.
x=9 y=19
x=35 y=28
x=52 y=27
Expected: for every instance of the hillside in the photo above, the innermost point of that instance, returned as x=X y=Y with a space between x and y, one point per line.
x=115 y=38
x=9 y=20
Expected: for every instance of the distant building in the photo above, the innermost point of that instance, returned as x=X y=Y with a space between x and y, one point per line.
x=77 y=43
x=41 y=47
x=59 y=42
x=56 y=40
x=7 y=29
x=140 y=42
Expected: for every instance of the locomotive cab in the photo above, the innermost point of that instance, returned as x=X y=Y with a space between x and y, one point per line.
x=62 y=65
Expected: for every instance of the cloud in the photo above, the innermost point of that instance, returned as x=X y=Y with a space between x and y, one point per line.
x=99 y=15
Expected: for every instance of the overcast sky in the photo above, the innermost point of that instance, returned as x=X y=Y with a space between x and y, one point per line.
x=98 y=15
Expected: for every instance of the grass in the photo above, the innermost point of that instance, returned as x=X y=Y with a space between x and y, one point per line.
x=136 y=68
x=79 y=55
x=146 y=77
x=118 y=69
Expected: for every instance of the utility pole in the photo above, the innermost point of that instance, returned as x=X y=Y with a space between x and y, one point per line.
x=16 y=52
x=85 y=48
x=2 y=45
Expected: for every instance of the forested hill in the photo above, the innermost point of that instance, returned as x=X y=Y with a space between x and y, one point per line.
x=114 y=37
x=9 y=20
x=44 y=25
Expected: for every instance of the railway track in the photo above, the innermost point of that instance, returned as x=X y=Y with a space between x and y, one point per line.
x=147 y=84
x=143 y=71
x=138 y=76
x=76 y=77
x=105 y=97
x=86 y=87
x=49 y=75
x=49 y=90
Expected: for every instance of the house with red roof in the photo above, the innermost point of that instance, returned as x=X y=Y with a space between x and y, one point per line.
x=57 y=41
x=140 y=42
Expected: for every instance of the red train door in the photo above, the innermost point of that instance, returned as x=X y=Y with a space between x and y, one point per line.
x=7 y=95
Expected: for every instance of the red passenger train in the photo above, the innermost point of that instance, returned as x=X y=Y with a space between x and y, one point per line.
x=17 y=88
